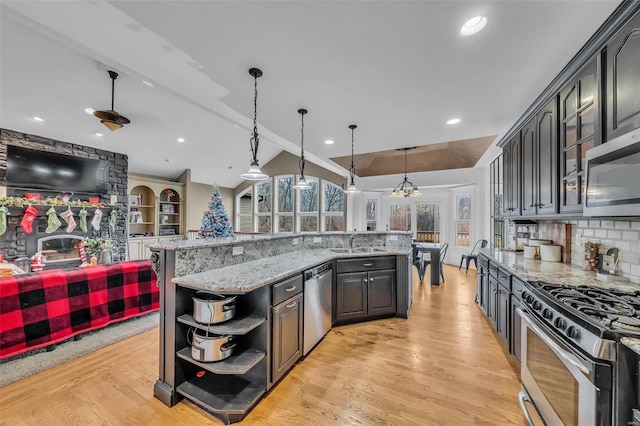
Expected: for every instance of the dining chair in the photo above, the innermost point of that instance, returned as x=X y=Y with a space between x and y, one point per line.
x=427 y=261
x=418 y=260
x=473 y=255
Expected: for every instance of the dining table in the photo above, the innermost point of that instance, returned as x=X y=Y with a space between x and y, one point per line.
x=433 y=252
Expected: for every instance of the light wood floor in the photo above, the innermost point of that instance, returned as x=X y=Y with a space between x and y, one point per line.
x=443 y=366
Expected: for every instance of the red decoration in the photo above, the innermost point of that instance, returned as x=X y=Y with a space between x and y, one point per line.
x=83 y=254
x=32 y=196
x=94 y=200
x=30 y=214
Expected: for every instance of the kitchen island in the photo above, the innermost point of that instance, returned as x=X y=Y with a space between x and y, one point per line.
x=267 y=327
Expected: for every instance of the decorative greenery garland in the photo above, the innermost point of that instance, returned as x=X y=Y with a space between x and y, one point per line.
x=22 y=202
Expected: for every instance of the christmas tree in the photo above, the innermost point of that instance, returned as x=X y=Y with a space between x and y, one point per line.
x=215 y=222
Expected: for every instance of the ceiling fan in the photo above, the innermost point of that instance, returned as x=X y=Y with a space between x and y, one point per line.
x=111 y=118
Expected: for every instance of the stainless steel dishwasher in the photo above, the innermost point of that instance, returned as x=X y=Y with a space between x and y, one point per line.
x=317 y=304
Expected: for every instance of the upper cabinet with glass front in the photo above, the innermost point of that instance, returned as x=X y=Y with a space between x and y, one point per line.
x=578 y=134
x=623 y=80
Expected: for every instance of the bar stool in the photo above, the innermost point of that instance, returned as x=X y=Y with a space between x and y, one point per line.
x=473 y=255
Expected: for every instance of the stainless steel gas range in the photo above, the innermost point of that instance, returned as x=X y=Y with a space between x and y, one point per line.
x=574 y=369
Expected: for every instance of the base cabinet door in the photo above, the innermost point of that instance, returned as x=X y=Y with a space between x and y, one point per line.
x=504 y=308
x=351 y=297
x=287 y=340
x=492 y=301
x=381 y=293
x=516 y=340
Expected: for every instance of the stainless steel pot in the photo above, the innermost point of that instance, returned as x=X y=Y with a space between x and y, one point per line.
x=209 y=308
x=207 y=347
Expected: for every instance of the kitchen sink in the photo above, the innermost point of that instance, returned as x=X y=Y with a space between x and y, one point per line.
x=369 y=249
x=345 y=250
x=357 y=250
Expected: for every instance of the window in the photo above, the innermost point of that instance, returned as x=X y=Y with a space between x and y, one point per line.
x=428 y=222
x=264 y=206
x=244 y=216
x=371 y=214
x=308 y=207
x=399 y=217
x=463 y=219
x=284 y=204
x=333 y=207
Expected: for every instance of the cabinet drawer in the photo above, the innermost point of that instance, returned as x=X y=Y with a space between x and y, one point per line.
x=504 y=278
x=366 y=264
x=517 y=287
x=285 y=289
x=493 y=270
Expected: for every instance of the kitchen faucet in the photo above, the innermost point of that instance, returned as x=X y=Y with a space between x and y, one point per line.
x=351 y=238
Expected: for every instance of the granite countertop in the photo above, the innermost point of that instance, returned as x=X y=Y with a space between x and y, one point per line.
x=632 y=343
x=554 y=272
x=214 y=242
x=248 y=276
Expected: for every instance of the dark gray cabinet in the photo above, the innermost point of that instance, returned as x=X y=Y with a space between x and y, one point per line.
x=503 y=318
x=622 y=81
x=579 y=125
x=492 y=301
x=482 y=291
x=512 y=177
x=287 y=340
x=529 y=168
x=517 y=287
x=365 y=288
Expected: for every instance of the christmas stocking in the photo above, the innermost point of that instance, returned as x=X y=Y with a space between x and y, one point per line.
x=4 y=211
x=97 y=217
x=53 y=223
x=30 y=214
x=83 y=220
x=68 y=218
x=112 y=220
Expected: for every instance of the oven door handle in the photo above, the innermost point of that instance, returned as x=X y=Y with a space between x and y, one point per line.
x=559 y=350
x=523 y=399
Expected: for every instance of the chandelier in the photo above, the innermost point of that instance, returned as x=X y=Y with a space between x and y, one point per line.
x=254 y=172
x=405 y=188
x=352 y=171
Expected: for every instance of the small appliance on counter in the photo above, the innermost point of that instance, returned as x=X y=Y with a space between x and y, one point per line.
x=210 y=309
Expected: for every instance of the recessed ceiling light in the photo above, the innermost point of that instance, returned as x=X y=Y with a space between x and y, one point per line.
x=473 y=25
x=180 y=140
x=89 y=111
x=147 y=83
x=98 y=134
x=38 y=118
x=168 y=160
x=453 y=121
x=329 y=142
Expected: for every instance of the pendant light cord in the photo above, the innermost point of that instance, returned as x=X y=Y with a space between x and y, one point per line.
x=255 y=141
x=113 y=88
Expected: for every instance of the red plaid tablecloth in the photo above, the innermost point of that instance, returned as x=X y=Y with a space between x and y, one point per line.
x=42 y=308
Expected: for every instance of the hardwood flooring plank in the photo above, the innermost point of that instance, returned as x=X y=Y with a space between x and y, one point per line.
x=445 y=365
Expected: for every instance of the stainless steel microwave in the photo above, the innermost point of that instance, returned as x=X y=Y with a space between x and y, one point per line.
x=613 y=177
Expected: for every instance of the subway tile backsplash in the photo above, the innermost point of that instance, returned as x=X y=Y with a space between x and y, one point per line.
x=621 y=234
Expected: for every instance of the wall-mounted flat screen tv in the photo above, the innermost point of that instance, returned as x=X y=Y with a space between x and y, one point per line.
x=31 y=169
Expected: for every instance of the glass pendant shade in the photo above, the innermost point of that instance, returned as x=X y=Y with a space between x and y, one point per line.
x=302 y=184
x=254 y=172
x=351 y=189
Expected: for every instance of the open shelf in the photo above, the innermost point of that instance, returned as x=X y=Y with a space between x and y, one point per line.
x=236 y=326
x=233 y=396
x=238 y=363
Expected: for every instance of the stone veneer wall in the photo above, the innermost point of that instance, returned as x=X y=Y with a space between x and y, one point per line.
x=12 y=242
x=621 y=234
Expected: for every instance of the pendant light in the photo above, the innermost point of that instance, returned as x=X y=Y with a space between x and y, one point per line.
x=254 y=172
x=352 y=185
x=302 y=181
x=109 y=117
x=405 y=188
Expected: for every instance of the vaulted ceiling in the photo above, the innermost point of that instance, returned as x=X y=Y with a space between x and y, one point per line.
x=397 y=69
